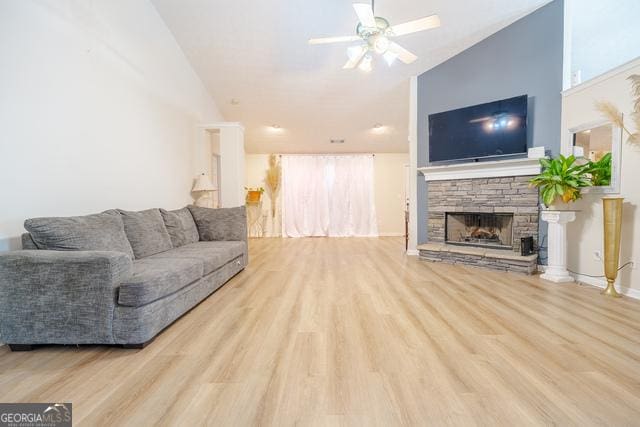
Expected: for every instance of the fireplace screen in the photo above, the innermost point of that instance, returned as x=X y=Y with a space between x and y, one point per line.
x=480 y=229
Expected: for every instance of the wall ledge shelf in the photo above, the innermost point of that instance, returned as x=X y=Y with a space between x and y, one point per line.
x=490 y=169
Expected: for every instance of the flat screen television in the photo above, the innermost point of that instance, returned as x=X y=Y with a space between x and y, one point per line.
x=487 y=130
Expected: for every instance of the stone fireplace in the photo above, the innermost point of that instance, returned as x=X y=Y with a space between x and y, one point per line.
x=481 y=220
x=484 y=230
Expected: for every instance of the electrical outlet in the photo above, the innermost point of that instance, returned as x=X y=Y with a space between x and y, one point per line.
x=597 y=255
x=634 y=265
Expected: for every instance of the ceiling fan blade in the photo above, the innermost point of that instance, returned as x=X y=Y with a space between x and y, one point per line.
x=339 y=39
x=426 y=23
x=403 y=54
x=355 y=55
x=365 y=14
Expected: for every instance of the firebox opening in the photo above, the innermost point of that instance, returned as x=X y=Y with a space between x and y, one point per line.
x=489 y=230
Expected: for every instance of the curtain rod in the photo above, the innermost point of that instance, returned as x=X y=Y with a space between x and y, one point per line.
x=328 y=154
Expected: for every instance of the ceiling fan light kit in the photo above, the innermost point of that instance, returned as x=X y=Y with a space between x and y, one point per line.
x=366 y=63
x=376 y=33
x=380 y=43
x=390 y=57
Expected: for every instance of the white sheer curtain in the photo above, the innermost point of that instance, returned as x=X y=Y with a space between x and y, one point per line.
x=328 y=196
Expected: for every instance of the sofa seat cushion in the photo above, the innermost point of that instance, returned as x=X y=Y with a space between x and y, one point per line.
x=97 y=232
x=155 y=278
x=146 y=232
x=181 y=227
x=213 y=254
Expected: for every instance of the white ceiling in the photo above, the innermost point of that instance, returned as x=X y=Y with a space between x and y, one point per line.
x=256 y=51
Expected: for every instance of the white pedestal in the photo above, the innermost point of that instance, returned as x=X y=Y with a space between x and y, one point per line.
x=556 y=270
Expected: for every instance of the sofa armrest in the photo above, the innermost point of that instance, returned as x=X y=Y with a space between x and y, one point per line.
x=59 y=297
x=220 y=224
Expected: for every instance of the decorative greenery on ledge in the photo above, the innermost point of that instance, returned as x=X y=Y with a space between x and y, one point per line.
x=561 y=178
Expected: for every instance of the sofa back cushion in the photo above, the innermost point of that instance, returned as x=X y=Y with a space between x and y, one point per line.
x=97 y=232
x=146 y=232
x=180 y=226
x=27 y=242
x=220 y=224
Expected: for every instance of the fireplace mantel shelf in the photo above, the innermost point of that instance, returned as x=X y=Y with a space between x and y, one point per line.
x=491 y=169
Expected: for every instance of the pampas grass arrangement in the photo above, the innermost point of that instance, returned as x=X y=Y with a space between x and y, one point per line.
x=612 y=112
x=635 y=84
x=272 y=181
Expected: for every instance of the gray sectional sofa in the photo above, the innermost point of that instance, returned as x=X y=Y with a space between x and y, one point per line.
x=116 y=277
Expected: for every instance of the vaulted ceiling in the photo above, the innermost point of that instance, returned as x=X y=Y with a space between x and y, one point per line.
x=254 y=59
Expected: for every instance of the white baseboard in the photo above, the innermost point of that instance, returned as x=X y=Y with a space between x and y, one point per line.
x=413 y=252
x=391 y=234
x=602 y=283
x=593 y=281
x=599 y=282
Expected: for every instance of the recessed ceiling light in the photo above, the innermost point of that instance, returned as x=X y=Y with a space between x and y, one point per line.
x=379 y=129
x=275 y=126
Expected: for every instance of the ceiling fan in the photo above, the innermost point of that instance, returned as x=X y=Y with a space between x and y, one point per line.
x=376 y=33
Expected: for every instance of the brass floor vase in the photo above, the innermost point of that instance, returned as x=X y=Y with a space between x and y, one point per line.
x=612 y=207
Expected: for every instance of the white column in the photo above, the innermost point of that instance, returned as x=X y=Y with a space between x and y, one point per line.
x=413 y=166
x=556 y=270
x=230 y=149
x=232 y=168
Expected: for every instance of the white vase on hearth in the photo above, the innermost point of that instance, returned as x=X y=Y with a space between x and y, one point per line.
x=556 y=270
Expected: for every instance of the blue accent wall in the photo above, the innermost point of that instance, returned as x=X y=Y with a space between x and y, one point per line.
x=524 y=58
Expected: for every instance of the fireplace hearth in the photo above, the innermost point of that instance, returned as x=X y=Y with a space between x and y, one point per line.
x=486 y=230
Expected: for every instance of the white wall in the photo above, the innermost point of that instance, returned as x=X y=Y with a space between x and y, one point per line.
x=585 y=234
x=389 y=191
x=98 y=109
x=390 y=181
x=604 y=35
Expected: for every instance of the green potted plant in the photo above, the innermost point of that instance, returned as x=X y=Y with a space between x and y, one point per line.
x=600 y=171
x=561 y=179
x=254 y=194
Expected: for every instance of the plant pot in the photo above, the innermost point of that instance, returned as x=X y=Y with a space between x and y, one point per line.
x=253 y=196
x=555 y=206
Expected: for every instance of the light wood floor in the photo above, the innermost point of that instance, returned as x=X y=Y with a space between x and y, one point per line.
x=352 y=332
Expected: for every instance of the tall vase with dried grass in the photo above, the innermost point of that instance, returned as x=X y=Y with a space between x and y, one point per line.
x=272 y=181
x=612 y=206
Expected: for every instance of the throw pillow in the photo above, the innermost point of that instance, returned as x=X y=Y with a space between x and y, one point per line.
x=146 y=232
x=180 y=226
